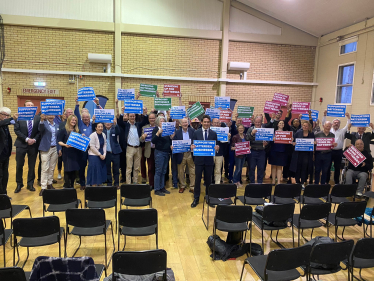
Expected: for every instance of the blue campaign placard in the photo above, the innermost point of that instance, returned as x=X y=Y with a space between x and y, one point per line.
x=181 y=146
x=86 y=94
x=168 y=128
x=126 y=94
x=148 y=131
x=78 y=141
x=213 y=112
x=304 y=144
x=133 y=106
x=178 y=112
x=52 y=108
x=336 y=110
x=57 y=101
x=104 y=115
x=360 y=120
x=222 y=133
x=315 y=114
x=27 y=113
x=264 y=134
x=222 y=102
x=204 y=148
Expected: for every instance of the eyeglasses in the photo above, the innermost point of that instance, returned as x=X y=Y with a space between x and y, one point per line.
x=4 y=114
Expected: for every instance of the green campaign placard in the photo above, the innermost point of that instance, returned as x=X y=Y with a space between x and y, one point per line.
x=162 y=103
x=195 y=110
x=245 y=111
x=148 y=90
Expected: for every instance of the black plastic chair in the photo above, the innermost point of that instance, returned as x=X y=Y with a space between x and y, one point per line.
x=345 y=215
x=219 y=194
x=362 y=256
x=4 y=237
x=143 y=222
x=59 y=200
x=103 y=197
x=139 y=263
x=36 y=232
x=341 y=192
x=7 y=210
x=255 y=194
x=280 y=264
x=286 y=193
x=313 y=193
x=309 y=218
x=136 y=195
x=329 y=253
x=12 y=274
x=88 y=222
x=275 y=213
x=232 y=219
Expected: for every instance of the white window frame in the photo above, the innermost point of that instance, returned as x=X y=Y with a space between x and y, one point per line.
x=348 y=41
x=372 y=91
x=337 y=79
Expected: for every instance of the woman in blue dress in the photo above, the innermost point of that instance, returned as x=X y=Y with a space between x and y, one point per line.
x=96 y=172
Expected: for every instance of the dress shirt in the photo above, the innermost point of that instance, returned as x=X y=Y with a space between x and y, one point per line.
x=108 y=147
x=27 y=124
x=207 y=133
x=186 y=135
x=133 y=138
x=339 y=133
x=53 y=129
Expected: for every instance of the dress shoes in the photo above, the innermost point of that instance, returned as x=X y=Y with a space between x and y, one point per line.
x=165 y=191
x=50 y=186
x=191 y=190
x=195 y=203
x=39 y=183
x=159 y=193
x=18 y=188
x=83 y=188
x=30 y=188
x=181 y=190
x=54 y=181
x=41 y=192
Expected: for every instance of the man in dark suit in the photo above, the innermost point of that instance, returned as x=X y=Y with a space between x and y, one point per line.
x=27 y=142
x=5 y=146
x=366 y=137
x=203 y=163
x=185 y=159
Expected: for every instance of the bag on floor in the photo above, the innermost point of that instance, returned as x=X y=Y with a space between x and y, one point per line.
x=321 y=240
x=259 y=210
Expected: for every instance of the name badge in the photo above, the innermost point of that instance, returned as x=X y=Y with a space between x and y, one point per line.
x=113 y=135
x=84 y=129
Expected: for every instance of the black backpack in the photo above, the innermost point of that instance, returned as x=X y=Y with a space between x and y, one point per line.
x=322 y=240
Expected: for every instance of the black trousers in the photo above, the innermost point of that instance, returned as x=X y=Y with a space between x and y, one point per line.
x=4 y=175
x=208 y=171
x=69 y=178
x=302 y=167
x=32 y=153
x=336 y=158
x=122 y=164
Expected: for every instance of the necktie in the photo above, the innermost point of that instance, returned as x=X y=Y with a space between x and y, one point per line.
x=360 y=136
x=29 y=127
x=206 y=135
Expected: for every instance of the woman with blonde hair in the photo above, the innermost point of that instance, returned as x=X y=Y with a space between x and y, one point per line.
x=70 y=155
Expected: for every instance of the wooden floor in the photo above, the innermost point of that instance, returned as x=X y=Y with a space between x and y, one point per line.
x=181 y=233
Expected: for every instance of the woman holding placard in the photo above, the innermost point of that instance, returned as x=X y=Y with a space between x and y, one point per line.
x=239 y=159
x=97 y=171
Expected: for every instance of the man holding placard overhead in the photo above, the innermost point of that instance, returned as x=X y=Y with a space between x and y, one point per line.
x=366 y=137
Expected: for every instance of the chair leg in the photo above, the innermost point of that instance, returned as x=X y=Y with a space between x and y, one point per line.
x=27 y=257
x=241 y=275
x=336 y=233
x=30 y=211
x=214 y=241
x=124 y=244
x=59 y=249
x=202 y=215
x=4 y=254
x=293 y=237
x=262 y=239
x=80 y=242
x=298 y=237
x=119 y=237
x=106 y=264
x=157 y=238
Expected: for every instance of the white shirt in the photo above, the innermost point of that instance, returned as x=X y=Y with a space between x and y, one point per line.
x=207 y=133
x=339 y=133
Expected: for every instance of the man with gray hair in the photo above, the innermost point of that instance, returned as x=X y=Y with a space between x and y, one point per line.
x=5 y=146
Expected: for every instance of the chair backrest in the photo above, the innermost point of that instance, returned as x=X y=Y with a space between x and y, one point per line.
x=364 y=249
x=278 y=212
x=233 y=213
x=36 y=227
x=85 y=217
x=100 y=193
x=1 y=227
x=287 y=190
x=317 y=190
x=139 y=263
x=331 y=253
x=287 y=259
x=349 y=210
x=137 y=217
x=344 y=190
x=258 y=190
x=315 y=211
x=59 y=196
x=136 y=191
x=5 y=202
x=222 y=190
x=12 y=274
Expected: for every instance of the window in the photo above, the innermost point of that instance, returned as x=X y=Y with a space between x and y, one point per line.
x=345 y=83
x=348 y=48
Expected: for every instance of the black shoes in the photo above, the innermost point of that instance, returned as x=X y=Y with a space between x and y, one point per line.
x=159 y=193
x=18 y=188
x=195 y=203
x=165 y=191
x=41 y=192
x=31 y=188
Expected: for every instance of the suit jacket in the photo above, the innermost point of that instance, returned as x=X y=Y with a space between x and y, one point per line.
x=21 y=130
x=113 y=138
x=95 y=145
x=179 y=136
x=147 y=145
x=126 y=127
x=3 y=124
x=46 y=136
x=204 y=160
x=366 y=138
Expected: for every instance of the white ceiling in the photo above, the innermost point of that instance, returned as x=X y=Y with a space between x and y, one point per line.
x=317 y=17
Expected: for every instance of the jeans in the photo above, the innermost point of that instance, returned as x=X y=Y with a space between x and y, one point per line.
x=239 y=163
x=322 y=164
x=258 y=158
x=161 y=162
x=112 y=164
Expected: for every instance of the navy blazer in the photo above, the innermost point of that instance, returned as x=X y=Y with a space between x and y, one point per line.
x=46 y=136
x=21 y=130
x=179 y=136
x=204 y=160
x=113 y=138
x=126 y=127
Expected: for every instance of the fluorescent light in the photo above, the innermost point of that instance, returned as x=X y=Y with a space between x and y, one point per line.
x=39 y=84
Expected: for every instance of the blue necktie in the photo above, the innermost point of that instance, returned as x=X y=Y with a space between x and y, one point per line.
x=29 y=127
x=206 y=135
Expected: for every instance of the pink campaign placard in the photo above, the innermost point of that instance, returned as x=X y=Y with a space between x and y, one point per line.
x=284 y=137
x=354 y=156
x=324 y=143
x=271 y=107
x=300 y=107
x=242 y=148
x=225 y=116
x=247 y=122
x=282 y=99
x=172 y=90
